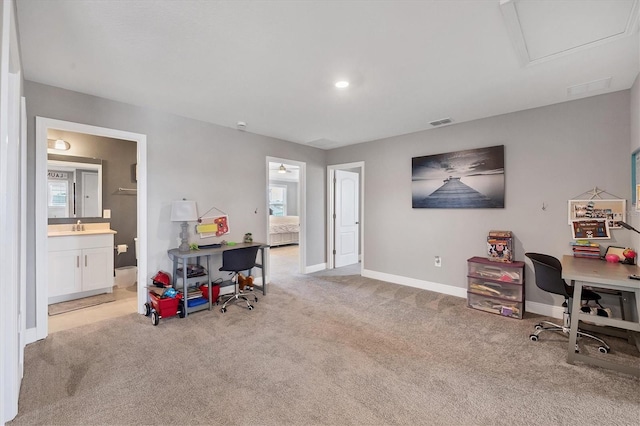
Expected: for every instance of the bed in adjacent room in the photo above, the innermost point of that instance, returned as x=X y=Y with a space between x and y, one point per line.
x=283 y=230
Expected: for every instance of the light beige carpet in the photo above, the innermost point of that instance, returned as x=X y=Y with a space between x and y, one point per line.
x=323 y=350
x=85 y=302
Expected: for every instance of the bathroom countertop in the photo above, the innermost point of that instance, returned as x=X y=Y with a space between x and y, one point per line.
x=65 y=230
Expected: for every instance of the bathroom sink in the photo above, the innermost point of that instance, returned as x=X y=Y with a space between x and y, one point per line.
x=63 y=230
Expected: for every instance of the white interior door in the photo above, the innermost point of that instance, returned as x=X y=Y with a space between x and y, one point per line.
x=90 y=196
x=347 y=228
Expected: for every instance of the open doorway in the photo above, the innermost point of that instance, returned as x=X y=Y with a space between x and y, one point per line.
x=135 y=170
x=285 y=215
x=345 y=202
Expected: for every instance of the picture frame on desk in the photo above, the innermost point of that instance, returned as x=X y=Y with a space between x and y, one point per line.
x=612 y=210
x=590 y=229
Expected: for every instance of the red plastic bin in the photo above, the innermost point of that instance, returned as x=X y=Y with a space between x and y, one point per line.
x=166 y=307
x=215 y=292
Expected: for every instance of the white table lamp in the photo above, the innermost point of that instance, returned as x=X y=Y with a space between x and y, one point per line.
x=184 y=211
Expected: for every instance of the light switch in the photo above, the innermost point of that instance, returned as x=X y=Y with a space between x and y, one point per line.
x=106 y=213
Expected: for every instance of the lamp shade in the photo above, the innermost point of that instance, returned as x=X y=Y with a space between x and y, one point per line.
x=184 y=211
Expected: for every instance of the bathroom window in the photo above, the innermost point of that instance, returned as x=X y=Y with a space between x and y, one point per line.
x=277 y=200
x=58 y=199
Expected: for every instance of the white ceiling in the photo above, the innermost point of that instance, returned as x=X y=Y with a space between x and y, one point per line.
x=272 y=64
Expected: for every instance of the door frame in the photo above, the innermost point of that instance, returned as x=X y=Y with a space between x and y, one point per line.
x=12 y=213
x=302 y=210
x=42 y=125
x=331 y=223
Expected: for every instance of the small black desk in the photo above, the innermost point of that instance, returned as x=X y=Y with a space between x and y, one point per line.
x=182 y=258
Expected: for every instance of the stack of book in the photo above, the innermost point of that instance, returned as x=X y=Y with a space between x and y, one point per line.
x=193 y=293
x=586 y=249
x=500 y=246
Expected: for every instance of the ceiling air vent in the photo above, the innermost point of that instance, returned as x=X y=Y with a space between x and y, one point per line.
x=441 y=122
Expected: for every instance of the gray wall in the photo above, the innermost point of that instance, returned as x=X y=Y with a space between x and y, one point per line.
x=552 y=154
x=634 y=115
x=213 y=165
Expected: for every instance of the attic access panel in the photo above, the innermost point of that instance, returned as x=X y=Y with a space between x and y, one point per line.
x=542 y=30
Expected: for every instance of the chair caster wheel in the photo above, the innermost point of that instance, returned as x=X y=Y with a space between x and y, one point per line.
x=577 y=349
x=533 y=337
x=223 y=310
x=256 y=298
x=603 y=350
x=250 y=307
x=538 y=327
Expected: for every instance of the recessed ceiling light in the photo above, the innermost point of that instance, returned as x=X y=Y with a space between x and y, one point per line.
x=342 y=84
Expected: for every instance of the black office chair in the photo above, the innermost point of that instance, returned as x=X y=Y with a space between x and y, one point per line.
x=548 y=271
x=236 y=261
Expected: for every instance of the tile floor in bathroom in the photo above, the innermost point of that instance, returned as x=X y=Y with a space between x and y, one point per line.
x=126 y=303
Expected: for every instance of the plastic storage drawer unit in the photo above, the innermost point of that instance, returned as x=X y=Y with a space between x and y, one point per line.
x=496 y=287
x=494 y=305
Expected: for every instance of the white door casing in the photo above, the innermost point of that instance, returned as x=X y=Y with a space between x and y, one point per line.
x=42 y=125
x=347 y=218
x=302 y=207
x=12 y=181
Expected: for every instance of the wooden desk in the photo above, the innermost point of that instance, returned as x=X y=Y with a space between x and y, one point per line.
x=182 y=258
x=599 y=274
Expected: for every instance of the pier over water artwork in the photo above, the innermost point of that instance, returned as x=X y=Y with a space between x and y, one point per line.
x=463 y=179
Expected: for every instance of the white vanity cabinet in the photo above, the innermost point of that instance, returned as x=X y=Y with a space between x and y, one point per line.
x=80 y=265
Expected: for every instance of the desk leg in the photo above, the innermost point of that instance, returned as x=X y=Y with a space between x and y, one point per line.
x=575 y=320
x=264 y=274
x=209 y=287
x=634 y=336
x=184 y=287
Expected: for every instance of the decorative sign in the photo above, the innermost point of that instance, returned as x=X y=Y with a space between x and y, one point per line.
x=213 y=226
x=612 y=210
x=592 y=229
x=57 y=175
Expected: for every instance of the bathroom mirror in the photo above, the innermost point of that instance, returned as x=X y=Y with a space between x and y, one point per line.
x=74 y=187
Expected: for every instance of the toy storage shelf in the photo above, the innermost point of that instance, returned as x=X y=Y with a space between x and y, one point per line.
x=496 y=287
x=193 y=304
x=183 y=281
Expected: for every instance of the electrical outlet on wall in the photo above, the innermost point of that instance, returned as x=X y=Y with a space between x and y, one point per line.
x=106 y=213
x=438 y=261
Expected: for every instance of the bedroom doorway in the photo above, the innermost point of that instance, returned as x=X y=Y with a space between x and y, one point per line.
x=285 y=215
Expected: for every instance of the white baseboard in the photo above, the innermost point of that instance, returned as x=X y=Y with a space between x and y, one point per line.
x=315 y=268
x=30 y=335
x=412 y=282
x=533 y=307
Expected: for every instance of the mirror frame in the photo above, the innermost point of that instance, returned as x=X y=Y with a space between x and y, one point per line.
x=72 y=162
